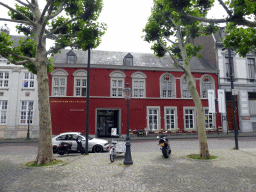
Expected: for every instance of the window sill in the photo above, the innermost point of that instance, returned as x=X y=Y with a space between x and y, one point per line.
x=27 y=89
x=4 y=88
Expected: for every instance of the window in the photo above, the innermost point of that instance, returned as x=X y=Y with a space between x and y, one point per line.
x=170 y=118
x=29 y=81
x=4 y=79
x=80 y=87
x=117 y=83
x=189 y=116
x=59 y=79
x=209 y=122
x=185 y=91
x=3 y=111
x=227 y=66
x=117 y=87
x=167 y=85
x=138 y=84
x=71 y=57
x=139 y=88
x=251 y=69
x=26 y=114
x=153 y=118
x=206 y=83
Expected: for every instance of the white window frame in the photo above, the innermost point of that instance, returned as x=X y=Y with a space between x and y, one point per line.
x=173 y=87
x=3 y=112
x=117 y=76
x=24 y=112
x=59 y=74
x=251 y=74
x=175 y=127
x=4 y=82
x=182 y=80
x=211 y=82
x=137 y=90
x=28 y=80
x=158 y=115
x=207 y=118
x=227 y=68
x=194 y=119
x=80 y=75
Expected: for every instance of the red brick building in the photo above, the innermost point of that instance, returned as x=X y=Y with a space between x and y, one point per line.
x=160 y=98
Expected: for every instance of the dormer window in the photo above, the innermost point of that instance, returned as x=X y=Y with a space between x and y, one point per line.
x=128 y=60
x=71 y=57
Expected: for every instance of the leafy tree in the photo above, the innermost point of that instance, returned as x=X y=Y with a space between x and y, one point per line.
x=166 y=24
x=70 y=23
x=240 y=20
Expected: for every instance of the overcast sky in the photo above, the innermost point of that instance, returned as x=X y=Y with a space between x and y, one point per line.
x=125 y=21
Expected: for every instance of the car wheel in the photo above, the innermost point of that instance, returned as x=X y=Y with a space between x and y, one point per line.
x=97 y=149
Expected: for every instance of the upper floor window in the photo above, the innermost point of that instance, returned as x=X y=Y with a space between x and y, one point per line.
x=117 y=83
x=185 y=93
x=80 y=83
x=26 y=113
x=59 y=79
x=3 y=111
x=227 y=68
x=138 y=82
x=71 y=57
x=206 y=83
x=167 y=86
x=251 y=69
x=4 y=79
x=29 y=80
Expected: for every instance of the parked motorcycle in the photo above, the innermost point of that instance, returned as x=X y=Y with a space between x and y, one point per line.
x=64 y=147
x=164 y=146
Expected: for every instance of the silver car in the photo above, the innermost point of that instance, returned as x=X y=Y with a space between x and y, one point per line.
x=94 y=144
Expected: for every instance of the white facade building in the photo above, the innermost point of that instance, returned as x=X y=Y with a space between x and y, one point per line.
x=18 y=101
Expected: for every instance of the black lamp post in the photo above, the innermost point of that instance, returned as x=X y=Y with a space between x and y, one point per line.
x=128 y=157
x=29 y=109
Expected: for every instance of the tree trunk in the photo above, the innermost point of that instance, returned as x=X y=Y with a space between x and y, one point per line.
x=45 y=154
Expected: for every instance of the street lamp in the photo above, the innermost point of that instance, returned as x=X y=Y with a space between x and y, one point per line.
x=29 y=109
x=128 y=157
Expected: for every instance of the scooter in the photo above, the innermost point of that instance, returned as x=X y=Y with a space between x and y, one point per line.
x=64 y=147
x=164 y=146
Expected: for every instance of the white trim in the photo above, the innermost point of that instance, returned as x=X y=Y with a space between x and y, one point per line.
x=175 y=118
x=59 y=72
x=26 y=110
x=158 y=117
x=139 y=75
x=117 y=74
x=80 y=73
x=213 y=119
x=194 y=119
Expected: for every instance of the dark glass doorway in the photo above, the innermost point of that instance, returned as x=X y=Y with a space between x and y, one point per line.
x=107 y=119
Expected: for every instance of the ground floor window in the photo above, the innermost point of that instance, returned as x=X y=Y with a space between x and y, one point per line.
x=209 y=123
x=189 y=116
x=3 y=111
x=170 y=118
x=153 y=118
x=26 y=114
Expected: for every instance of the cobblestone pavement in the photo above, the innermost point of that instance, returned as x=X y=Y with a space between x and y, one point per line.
x=233 y=170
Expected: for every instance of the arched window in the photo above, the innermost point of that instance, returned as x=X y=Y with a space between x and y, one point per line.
x=59 y=82
x=206 y=83
x=167 y=86
x=80 y=83
x=185 y=93
x=117 y=83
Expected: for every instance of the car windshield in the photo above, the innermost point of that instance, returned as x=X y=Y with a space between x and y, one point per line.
x=89 y=138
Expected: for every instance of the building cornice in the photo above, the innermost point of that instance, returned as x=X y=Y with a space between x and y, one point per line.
x=121 y=67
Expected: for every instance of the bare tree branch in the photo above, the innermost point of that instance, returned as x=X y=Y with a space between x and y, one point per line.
x=24 y=4
x=10 y=8
x=44 y=11
x=29 y=3
x=57 y=12
x=16 y=21
x=225 y=7
x=32 y=60
x=170 y=40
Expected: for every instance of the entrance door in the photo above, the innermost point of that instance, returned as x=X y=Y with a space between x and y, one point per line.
x=106 y=119
x=230 y=118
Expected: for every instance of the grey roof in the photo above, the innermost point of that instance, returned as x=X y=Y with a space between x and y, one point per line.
x=17 y=38
x=139 y=59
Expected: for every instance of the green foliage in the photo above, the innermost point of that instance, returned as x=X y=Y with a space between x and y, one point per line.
x=197 y=156
x=192 y=50
x=33 y=163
